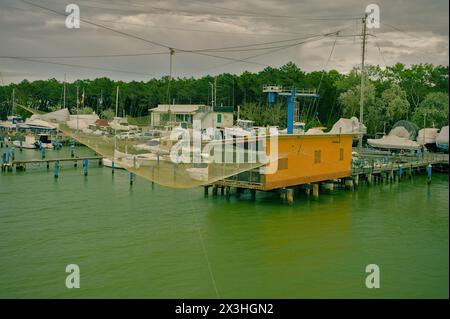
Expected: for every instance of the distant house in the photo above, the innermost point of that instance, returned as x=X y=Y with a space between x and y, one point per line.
x=166 y=114
x=101 y=123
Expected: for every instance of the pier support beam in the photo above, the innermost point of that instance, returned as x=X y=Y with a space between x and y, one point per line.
x=429 y=172
x=349 y=183
x=400 y=171
x=290 y=195
x=227 y=191
x=282 y=194
x=56 y=169
x=328 y=186
x=205 y=190
x=308 y=190
x=369 y=178
x=214 y=190
x=315 y=191
x=356 y=180
x=131 y=178
x=85 y=166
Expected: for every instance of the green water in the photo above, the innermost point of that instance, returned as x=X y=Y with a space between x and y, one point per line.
x=153 y=243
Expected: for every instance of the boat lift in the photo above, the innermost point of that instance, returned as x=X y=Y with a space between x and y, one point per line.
x=275 y=90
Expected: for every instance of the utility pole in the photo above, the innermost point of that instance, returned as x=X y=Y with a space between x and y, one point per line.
x=117 y=101
x=171 y=52
x=64 y=85
x=78 y=103
x=212 y=93
x=13 y=101
x=215 y=91
x=361 y=101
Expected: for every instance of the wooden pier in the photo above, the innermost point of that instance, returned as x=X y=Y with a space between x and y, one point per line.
x=370 y=168
x=21 y=164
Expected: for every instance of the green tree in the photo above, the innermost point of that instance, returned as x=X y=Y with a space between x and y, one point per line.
x=433 y=110
x=108 y=114
x=395 y=103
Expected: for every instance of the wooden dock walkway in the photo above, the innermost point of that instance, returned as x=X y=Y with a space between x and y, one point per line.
x=21 y=164
x=368 y=167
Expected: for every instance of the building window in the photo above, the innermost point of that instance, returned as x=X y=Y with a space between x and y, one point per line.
x=341 y=154
x=219 y=118
x=317 y=157
x=282 y=163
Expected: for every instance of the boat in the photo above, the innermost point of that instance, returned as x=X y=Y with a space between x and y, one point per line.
x=198 y=173
x=44 y=141
x=108 y=163
x=442 y=139
x=397 y=139
x=242 y=128
x=427 y=137
x=401 y=137
x=29 y=142
x=298 y=128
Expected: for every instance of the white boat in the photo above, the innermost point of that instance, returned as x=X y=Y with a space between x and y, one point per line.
x=198 y=173
x=29 y=143
x=427 y=137
x=399 y=138
x=442 y=139
x=393 y=142
x=138 y=160
x=44 y=141
x=243 y=128
x=108 y=163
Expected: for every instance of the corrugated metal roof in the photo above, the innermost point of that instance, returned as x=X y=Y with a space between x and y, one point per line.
x=177 y=108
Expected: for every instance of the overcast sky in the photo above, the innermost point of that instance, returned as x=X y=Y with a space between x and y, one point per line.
x=412 y=31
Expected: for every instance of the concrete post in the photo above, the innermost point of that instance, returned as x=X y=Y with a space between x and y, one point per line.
x=315 y=191
x=290 y=196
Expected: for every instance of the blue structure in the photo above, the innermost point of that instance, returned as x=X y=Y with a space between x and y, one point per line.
x=55 y=169
x=273 y=91
x=429 y=172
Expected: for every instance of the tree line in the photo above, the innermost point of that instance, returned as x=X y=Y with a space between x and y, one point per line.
x=418 y=93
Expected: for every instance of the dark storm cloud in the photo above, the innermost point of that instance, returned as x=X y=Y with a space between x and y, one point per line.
x=411 y=32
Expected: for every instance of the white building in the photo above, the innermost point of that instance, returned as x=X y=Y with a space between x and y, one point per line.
x=166 y=114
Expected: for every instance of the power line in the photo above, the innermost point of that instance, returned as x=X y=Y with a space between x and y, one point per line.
x=154 y=9
x=80 y=66
x=273 y=32
x=132 y=35
x=84 y=56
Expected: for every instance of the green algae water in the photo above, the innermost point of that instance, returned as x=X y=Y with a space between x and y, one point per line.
x=152 y=242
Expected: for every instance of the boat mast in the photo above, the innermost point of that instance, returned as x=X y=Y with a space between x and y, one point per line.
x=171 y=52
x=361 y=100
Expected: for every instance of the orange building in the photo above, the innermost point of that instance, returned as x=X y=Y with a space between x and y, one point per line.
x=302 y=159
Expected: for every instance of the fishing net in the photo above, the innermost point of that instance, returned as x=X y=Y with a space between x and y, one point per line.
x=411 y=128
x=177 y=158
